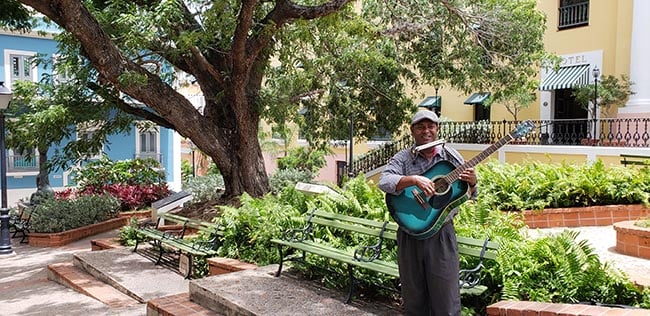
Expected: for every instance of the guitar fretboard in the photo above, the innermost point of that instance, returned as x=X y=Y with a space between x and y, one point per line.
x=454 y=175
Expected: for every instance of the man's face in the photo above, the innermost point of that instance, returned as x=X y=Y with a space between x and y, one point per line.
x=424 y=132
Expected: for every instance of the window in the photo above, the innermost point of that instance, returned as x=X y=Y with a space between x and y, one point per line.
x=573 y=13
x=147 y=144
x=19 y=66
x=87 y=133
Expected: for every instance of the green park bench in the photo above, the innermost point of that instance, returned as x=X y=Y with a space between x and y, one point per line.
x=177 y=241
x=634 y=159
x=370 y=257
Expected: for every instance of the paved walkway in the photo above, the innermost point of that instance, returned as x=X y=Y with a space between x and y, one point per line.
x=25 y=289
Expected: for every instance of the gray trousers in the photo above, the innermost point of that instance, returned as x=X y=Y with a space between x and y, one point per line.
x=428 y=272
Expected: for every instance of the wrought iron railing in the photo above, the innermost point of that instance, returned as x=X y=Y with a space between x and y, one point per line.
x=629 y=132
x=574 y=15
x=18 y=163
x=146 y=155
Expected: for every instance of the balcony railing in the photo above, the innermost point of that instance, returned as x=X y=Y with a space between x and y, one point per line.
x=145 y=155
x=574 y=15
x=18 y=163
x=633 y=132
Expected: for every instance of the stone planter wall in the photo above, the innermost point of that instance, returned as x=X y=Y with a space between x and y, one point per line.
x=68 y=236
x=632 y=240
x=218 y=265
x=103 y=244
x=584 y=216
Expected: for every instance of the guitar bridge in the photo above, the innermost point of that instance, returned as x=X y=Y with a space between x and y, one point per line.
x=419 y=199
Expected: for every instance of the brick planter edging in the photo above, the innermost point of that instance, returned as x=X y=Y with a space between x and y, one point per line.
x=68 y=236
x=504 y=308
x=600 y=215
x=632 y=240
x=219 y=265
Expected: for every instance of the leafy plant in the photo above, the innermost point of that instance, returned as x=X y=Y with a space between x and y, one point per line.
x=303 y=158
x=128 y=234
x=204 y=188
x=53 y=216
x=612 y=92
x=535 y=185
x=283 y=178
x=105 y=171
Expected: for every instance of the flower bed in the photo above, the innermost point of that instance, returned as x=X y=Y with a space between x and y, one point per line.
x=632 y=240
x=584 y=216
x=68 y=236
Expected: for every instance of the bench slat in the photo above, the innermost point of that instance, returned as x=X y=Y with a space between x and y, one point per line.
x=367 y=222
x=340 y=255
x=350 y=227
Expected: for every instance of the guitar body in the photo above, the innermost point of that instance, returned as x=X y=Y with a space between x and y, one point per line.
x=422 y=220
x=422 y=216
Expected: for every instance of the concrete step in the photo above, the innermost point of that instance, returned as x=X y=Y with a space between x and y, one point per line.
x=258 y=292
x=75 y=278
x=131 y=273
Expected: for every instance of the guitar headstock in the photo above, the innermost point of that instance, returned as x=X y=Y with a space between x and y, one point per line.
x=522 y=129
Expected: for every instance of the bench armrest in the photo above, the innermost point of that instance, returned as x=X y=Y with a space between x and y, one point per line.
x=298 y=234
x=370 y=253
x=469 y=278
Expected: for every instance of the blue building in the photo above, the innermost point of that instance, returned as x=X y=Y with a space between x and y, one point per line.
x=162 y=144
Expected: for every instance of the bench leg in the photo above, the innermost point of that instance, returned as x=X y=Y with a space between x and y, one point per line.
x=190 y=264
x=160 y=253
x=277 y=274
x=137 y=241
x=352 y=285
x=25 y=232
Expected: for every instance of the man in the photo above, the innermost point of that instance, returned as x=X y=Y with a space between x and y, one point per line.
x=428 y=267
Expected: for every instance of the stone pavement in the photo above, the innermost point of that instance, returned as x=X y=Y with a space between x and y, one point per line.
x=26 y=290
x=120 y=282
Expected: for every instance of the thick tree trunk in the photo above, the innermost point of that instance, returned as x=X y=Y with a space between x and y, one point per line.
x=42 y=179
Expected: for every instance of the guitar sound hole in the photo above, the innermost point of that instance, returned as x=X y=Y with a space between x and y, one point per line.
x=441 y=186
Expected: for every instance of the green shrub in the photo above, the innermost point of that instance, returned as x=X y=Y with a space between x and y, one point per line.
x=535 y=185
x=53 y=216
x=204 y=188
x=128 y=234
x=127 y=172
x=283 y=178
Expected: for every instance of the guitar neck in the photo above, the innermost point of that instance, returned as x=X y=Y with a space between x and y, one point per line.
x=454 y=175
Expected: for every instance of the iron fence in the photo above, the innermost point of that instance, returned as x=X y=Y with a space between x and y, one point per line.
x=619 y=132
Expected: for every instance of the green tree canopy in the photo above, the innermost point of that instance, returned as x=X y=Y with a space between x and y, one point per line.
x=273 y=60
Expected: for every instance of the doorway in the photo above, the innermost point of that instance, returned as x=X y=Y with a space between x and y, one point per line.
x=570 y=124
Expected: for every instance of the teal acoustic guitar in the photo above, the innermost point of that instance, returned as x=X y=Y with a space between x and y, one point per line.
x=422 y=216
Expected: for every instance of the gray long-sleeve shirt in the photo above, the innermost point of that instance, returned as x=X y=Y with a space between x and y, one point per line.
x=405 y=163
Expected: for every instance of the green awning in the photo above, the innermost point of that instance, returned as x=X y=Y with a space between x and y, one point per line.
x=565 y=78
x=431 y=102
x=477 y=98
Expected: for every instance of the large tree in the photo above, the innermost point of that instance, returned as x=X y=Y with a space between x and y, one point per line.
x=331 y=61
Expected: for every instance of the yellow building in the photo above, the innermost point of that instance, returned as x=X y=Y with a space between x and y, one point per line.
x=594 y=38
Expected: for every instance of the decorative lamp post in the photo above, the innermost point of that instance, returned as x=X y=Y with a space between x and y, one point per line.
x=596 y=73
x=5 y=239
x=350 y=173
x=192 y=149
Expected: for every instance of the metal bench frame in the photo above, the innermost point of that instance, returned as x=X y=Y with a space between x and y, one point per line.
x=370 y=256
x=175 y=241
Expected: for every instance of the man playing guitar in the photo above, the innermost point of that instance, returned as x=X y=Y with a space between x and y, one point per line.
x=429 y=265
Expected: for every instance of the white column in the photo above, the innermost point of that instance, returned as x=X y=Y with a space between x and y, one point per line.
x=177 y=184
x=639 y=62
